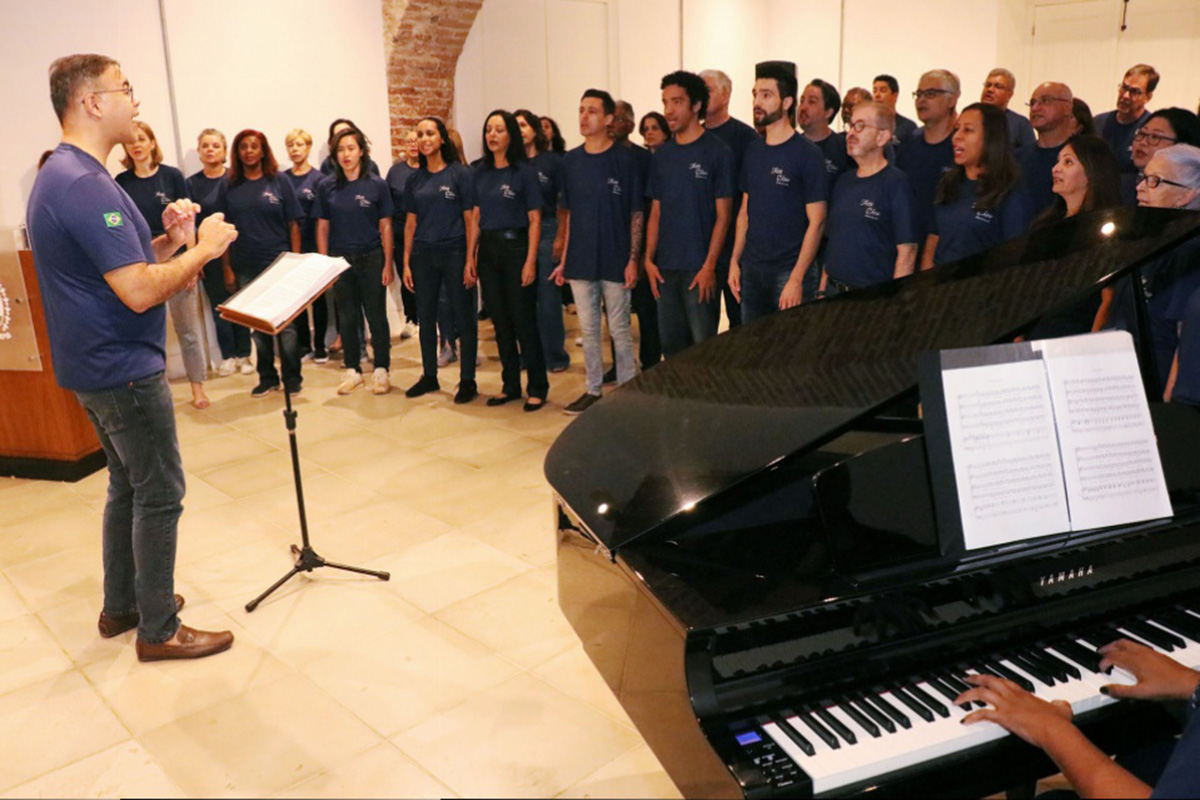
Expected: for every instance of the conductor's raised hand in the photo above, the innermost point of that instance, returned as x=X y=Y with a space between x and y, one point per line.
x=1159 y=677
x=217 y=234
x=1014 y=709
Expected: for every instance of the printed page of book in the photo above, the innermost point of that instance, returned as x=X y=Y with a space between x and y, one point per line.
x=1005 y=453
x=1109 y=452
x=286 y=286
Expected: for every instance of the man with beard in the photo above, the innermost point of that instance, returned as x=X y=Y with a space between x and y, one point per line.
x=783 y=201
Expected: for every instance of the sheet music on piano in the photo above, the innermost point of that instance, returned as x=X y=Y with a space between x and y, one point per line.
x=1039 y=438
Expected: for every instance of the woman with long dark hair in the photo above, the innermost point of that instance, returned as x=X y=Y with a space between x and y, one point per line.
x=354 y=220
x=329 y=164
x=205 y=187
x=554 y=137
x=439 y=251
x=262 y=205
x=548 y=166
x=978 y=203
x=152 y=185
x=508 y=207
x=304 y=180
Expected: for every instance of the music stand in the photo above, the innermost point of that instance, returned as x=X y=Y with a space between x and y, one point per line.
x=307 y=559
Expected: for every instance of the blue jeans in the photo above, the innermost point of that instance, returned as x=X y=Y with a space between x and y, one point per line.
x=617 y=303
x=136 y=425
x=682 y=319
x=760 y=292
x=549 y=300
x=438 y=269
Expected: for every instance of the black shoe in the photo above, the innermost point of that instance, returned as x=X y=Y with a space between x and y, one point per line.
x=467 y=391
x=501 y=399
x=535 y=404
x=424 y=386
x=610 y=376
x=293 y=387
x=264 y=388
x=320 y=357
x=581 y=405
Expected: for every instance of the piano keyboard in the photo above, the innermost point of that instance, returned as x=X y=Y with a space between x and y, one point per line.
x=863 y=736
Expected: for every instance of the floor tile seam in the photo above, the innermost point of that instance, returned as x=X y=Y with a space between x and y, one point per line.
x=562 y=793
x=9 y=787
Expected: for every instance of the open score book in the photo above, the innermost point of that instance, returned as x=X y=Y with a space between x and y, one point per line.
x=274 y=298
x=1043 y=437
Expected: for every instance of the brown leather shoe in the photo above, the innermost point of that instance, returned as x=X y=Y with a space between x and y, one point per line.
x=192 y=644
x=115 y=624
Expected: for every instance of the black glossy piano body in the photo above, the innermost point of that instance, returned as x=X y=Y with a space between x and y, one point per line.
x=748 y=528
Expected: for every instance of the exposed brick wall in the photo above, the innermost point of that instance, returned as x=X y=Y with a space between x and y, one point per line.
x=423 y=39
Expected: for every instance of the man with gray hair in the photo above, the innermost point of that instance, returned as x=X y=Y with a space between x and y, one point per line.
x=928 y=153
x=998 y=90
x=736 y=135
x=1117 y=127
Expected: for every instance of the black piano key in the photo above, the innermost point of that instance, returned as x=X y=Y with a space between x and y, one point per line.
x=820 y=730
x=946 y=690
x=1071 y=670
x=887 y=708
x=1018 y=678
x=853 y=713
x=1095 y=638
x=1053 y=667
x=912 y=702
x=1158 y=636
x=804 y=744
x=1182 y=624
x=1115 y=634
x=835 y=724
x=957 y=681
x=924 y=696
x=881 y=719
x=1089 y=659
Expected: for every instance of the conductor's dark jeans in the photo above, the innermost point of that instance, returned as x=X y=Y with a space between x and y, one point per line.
x=136 y=425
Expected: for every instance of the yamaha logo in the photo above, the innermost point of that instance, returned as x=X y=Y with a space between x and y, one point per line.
x=1066 y=575
x=5 y=315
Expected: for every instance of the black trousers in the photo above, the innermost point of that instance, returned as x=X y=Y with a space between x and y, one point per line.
x=513 y=308
x=320 y=324
x=435 y=267
x=360 y=291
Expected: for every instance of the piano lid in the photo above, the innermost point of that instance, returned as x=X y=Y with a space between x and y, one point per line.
x=742 y=402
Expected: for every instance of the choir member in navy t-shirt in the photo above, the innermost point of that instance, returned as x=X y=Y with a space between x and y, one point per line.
x=819 y=106
x=328 y=165
x=397 y=178
x=603 y=196
x=1118 y=126
x=547 y=164
x=979 y=202
x=508 y=207
x=439 y=254
x=305 y=180
x=690 y=191
x=153 y=186
x=886 y=89
x=1051 y=110
x=263 y=206
x=927 y=153
x=783 y=184
x=737 y=135
x=998 y=90
x=354 y=221
x=872 y=233
x=203 y=187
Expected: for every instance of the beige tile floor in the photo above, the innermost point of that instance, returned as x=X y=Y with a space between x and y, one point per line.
x=459 y=677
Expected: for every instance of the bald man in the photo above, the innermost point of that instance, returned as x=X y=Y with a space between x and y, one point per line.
x=1051 y=112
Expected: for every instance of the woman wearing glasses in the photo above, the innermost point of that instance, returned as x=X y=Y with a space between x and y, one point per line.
x=1163 y=128
x=152 y=185
x=978 y=203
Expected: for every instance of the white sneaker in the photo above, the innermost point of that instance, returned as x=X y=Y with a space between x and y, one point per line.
x=407 y=331
x=245 y=366
x=379 y=381
x=446 y=356
x=227 y=367
x=352 y=381
x=579 y=341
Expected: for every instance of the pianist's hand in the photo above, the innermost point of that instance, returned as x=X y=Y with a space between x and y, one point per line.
x=1159 y=677
x=1016 y=710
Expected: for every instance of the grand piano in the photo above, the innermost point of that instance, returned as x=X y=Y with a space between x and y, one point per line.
x=748 y=545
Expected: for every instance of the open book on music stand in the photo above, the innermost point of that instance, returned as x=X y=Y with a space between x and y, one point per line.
x=269 y=304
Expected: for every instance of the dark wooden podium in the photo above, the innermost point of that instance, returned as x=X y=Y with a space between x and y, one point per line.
x=44 y=432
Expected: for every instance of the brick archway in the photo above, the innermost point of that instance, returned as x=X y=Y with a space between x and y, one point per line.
x=423 y=41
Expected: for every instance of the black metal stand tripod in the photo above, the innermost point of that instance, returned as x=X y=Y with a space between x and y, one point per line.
x=306 y=558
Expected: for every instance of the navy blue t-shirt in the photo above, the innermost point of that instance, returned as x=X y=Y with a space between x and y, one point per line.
x=737 y=136
x=548 y=166
x=397 y=178
x=905 y=128
x=779 y=182
x=83 y=225
x=642 y=156
x=438 y=199
x=505 y=197
x=262 y=211
x=305 y=188
x=868 y=218
x=1020 y=131
x=205 y=190
x=1036 y=164
x=837 y=161
x=602 y=191
x=964 y=230
x=1187 y=381
x=1119 y=136
x=152 y=195
x=1180 y=778
x=687 y=180
x=924 y=165
x=353 y=211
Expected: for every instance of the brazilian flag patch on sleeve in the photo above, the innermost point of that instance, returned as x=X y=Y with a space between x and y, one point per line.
x=113 y=219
